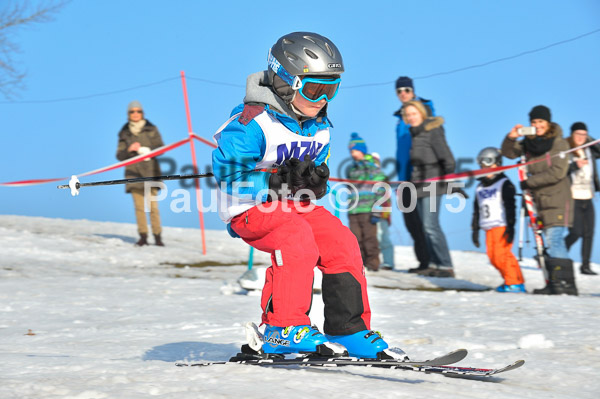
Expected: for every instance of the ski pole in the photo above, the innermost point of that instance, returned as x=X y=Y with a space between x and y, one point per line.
x=521 y=231
x=75 y=185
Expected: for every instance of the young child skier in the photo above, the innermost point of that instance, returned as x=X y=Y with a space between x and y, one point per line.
x=494 y=212
x=362 y=216
x=278 y=139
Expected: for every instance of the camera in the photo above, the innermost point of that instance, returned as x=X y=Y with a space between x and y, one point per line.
x=526 y=131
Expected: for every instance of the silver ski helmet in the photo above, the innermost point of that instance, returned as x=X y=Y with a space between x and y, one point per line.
x=489 y=156
x=304 y=53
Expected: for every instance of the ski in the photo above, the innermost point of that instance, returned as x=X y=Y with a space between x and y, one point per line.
x=432 y=366
x=316 y=360
x=454 y=371
x=533 y=220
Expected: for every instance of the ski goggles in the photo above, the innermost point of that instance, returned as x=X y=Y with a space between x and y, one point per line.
x=486 y=161
x=316 y=89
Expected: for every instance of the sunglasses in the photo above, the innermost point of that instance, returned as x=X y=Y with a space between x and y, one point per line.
x=314 y=89
x=136 y=111
x=404 y=89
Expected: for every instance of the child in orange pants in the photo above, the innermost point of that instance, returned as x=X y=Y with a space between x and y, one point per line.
x=494 y=212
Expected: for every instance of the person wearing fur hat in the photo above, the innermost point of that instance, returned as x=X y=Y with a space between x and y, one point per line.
x=584 y=183
x=430 y=157
x=139 y=136
x=362 y=216
x=549 y=185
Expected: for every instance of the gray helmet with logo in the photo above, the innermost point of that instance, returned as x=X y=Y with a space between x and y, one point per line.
x=489 y=156
x=304 y=53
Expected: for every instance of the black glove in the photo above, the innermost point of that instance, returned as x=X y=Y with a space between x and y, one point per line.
x=306 y=175
x=475 y=237
x=277 y=180
x=375 y=219
x=509 y=233
x=524 y=185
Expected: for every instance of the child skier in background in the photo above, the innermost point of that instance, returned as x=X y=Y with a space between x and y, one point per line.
x=494 y=212
x=362 y=214
x=277 y=141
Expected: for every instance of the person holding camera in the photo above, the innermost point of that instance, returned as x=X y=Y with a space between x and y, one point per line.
x=584 y=183
x=549 y=185
x=430 y=156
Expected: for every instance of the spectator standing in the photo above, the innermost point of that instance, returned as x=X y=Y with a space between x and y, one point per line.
x=383 y=227
x=139 y=136
x=430 y=157
x=494 y=212
x=584 y=183
x=405 y=90
x=362 y=215
x=551 y=190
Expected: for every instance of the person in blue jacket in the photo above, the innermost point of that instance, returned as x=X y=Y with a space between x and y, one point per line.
x=405 y=90
x=271 y=161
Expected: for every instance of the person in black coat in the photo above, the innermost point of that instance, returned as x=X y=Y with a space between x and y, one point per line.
x=430 y=156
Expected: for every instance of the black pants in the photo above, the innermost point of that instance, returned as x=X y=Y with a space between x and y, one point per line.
x=414 y=225
x=583 y=227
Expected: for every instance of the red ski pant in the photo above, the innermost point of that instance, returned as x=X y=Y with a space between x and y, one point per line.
x=300 y=236
x=500 y=253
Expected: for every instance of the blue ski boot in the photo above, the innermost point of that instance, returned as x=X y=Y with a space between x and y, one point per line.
x=298 y=339
x=368 y=345
x=517 y=288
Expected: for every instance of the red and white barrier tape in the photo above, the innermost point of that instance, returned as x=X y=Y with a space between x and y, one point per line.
x=130 y=161
x=203 y=140
x=474 y=173
x=163 y=149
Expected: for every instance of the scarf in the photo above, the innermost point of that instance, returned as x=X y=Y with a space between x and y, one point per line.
x=136 y=127
x=538 y=145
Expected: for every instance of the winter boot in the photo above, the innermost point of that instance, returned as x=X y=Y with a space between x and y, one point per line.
x=585 y=269
x=298 y=339
x=158 y=240
x=444 y=272
x=562 y=276
x=143 y=240
x=418 y=269
x=543 y=291
x=519 y=288
x=436 y=272
x=367 y=344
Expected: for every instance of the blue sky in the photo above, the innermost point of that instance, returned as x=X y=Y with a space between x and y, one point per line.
x=96 y=47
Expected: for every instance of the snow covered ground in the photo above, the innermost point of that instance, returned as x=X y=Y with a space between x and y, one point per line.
x=84 y=314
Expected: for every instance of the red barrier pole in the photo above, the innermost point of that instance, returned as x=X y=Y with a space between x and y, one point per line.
x=190 y=133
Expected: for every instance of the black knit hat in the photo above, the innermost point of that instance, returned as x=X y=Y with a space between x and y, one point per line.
x=578 y=126
x=540 y=112
x=404 y=81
